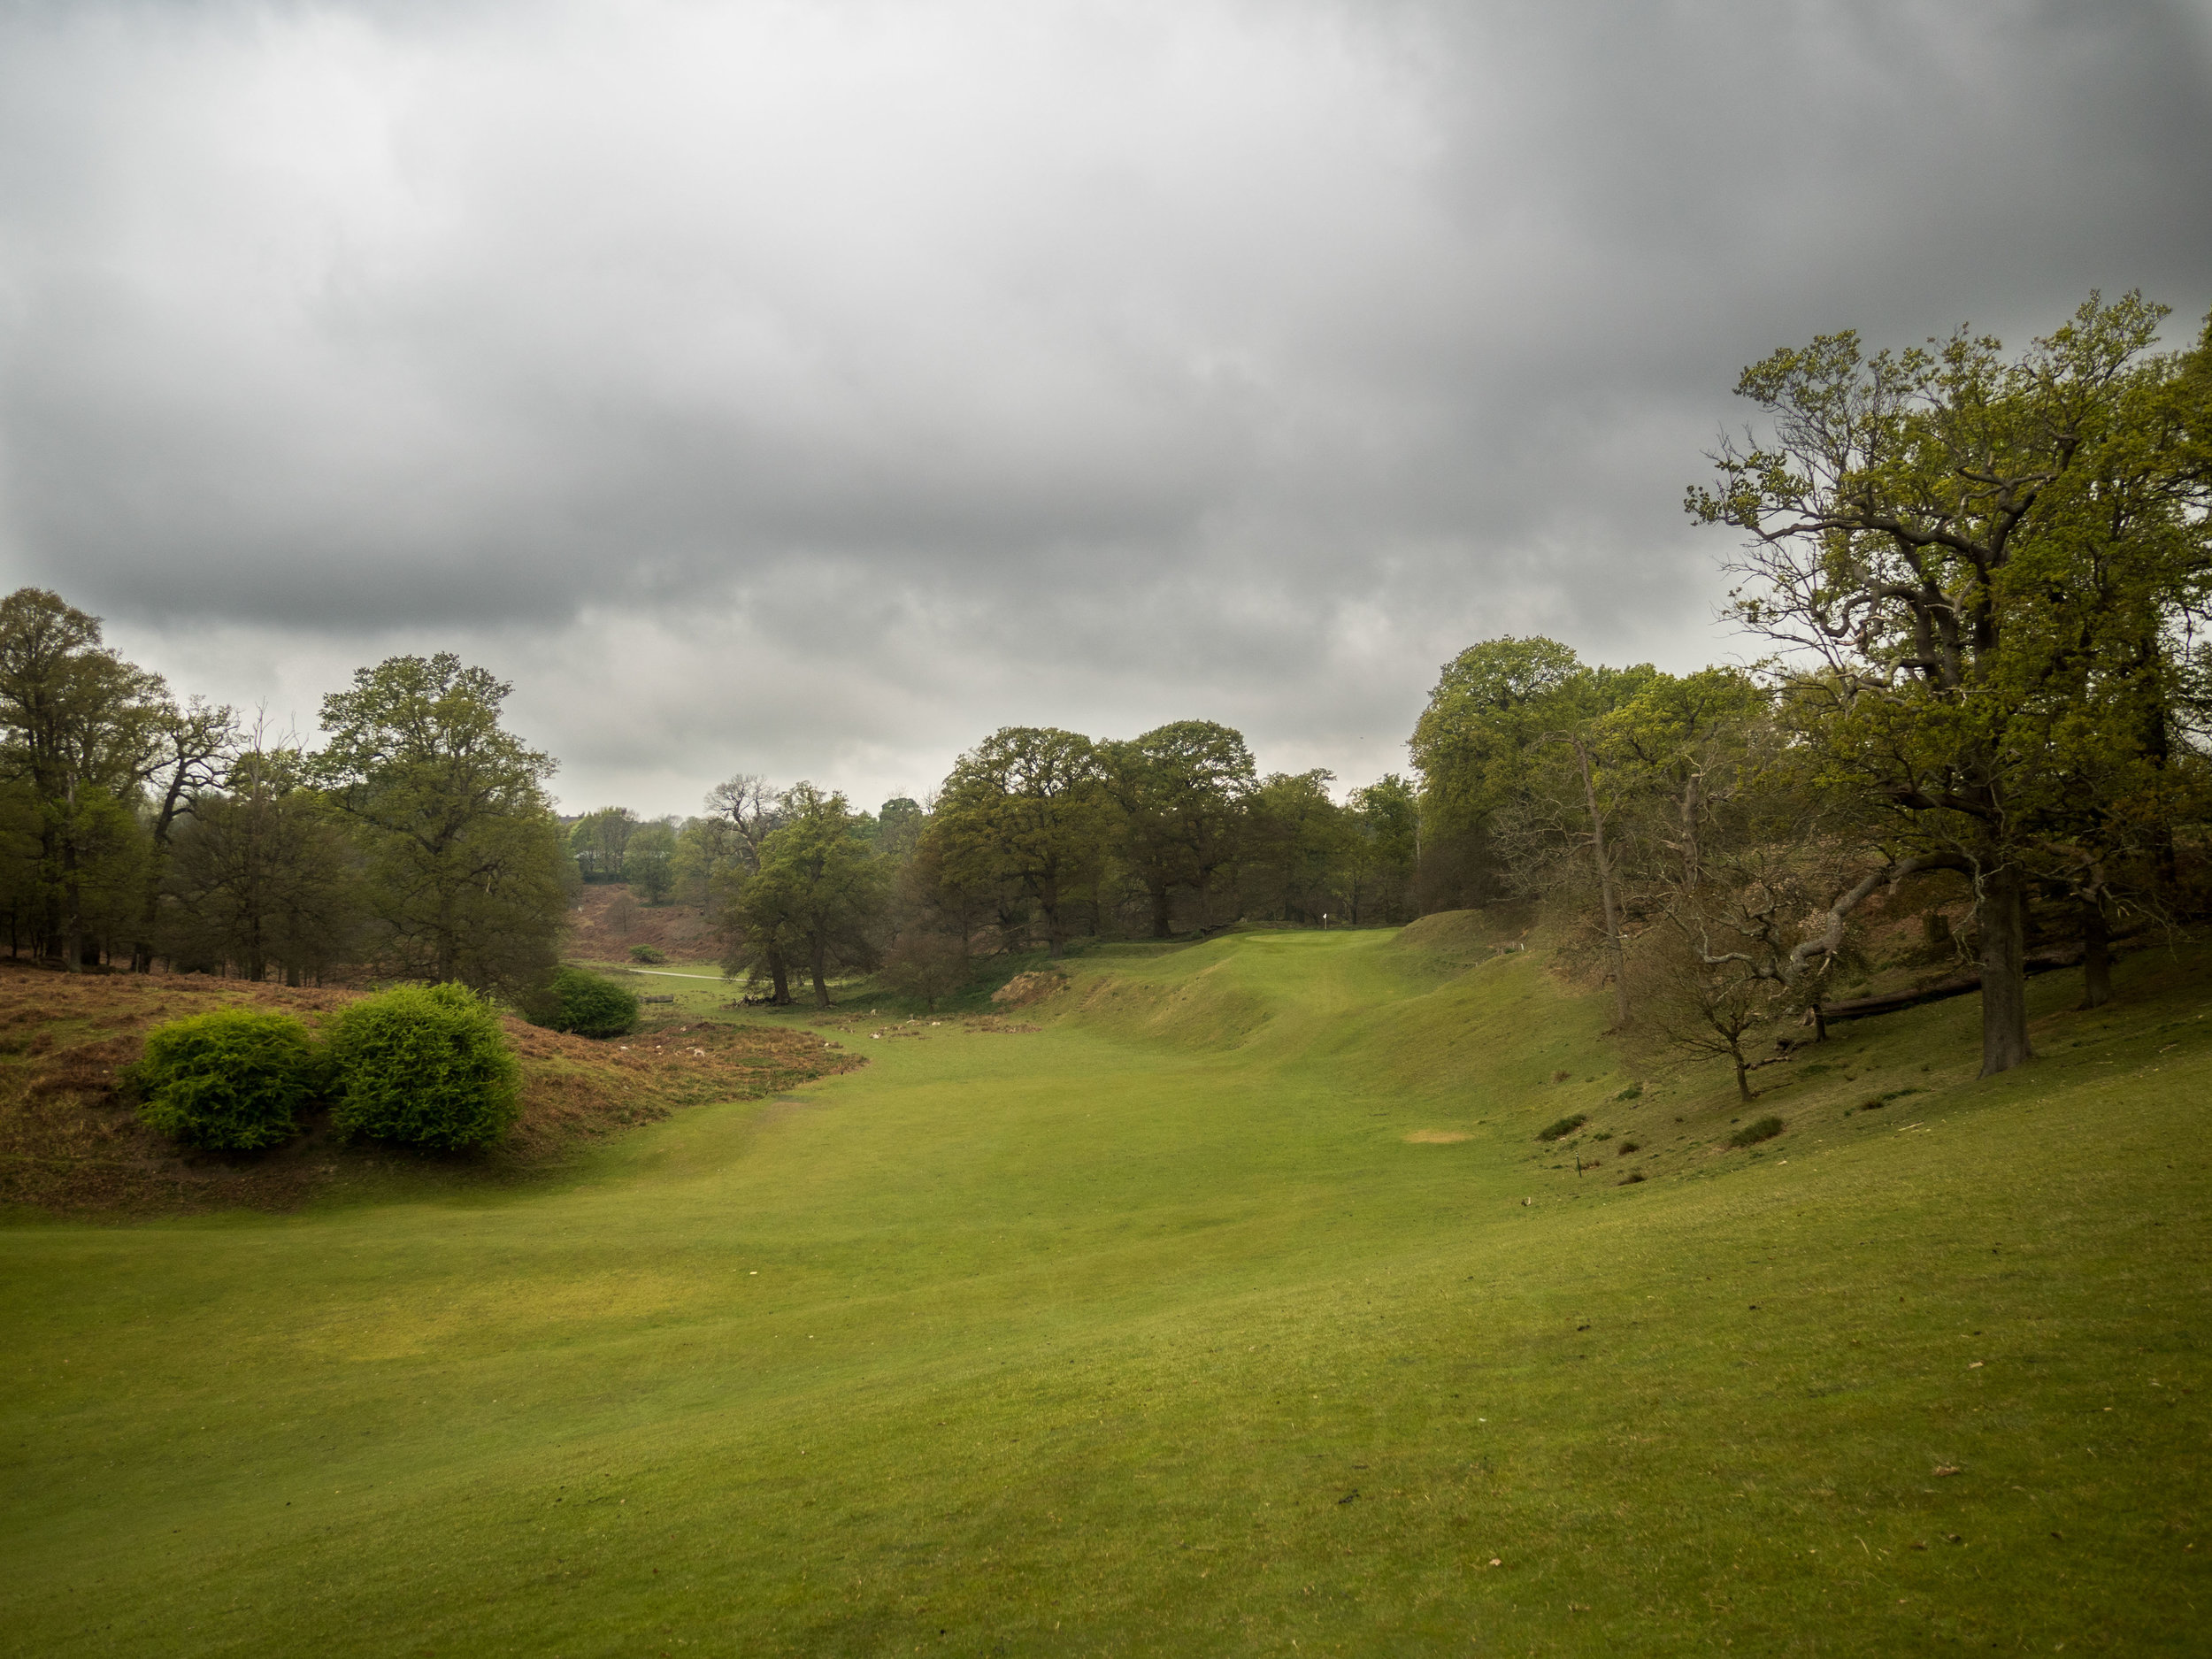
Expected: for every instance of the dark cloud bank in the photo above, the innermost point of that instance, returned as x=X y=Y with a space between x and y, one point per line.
x=812 y=389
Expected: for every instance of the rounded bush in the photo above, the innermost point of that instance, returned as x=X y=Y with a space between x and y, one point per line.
x=588 y=1005
x=425 y=1066
x=229 y=1080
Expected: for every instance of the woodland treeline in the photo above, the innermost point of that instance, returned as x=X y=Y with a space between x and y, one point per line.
x=136 y=828
x=1040 y=836
x=1979 y=578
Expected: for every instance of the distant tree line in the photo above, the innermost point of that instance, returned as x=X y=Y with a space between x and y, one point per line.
x=1039 y=837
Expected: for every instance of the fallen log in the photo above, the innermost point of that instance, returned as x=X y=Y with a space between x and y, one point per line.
x=2045 y=961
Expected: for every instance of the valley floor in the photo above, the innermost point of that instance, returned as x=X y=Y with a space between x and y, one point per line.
x=1232 y=1308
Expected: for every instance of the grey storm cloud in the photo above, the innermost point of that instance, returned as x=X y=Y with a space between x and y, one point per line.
x=812 y=389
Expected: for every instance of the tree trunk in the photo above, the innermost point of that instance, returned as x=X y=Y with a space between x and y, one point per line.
x=72 y=922
x=2096 y=954
x=1163 y=914
x=2004 y=928
x=149 y=912
x=779 y=981
x=1605 y=889
x=1052 y=928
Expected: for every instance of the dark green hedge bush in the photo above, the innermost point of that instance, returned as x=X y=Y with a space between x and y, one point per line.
x=1751 y=1134
x=1565 y=1126
x=587 y=1004
x=229 y=1080
x=426 y=1066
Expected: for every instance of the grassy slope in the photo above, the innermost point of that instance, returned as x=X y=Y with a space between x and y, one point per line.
x=1083 y=1341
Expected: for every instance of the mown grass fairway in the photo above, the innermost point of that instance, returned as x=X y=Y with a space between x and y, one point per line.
x=1151 y=1332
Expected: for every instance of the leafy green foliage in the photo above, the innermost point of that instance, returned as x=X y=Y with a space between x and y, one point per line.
x=600 y=840
x=648 y=863
x=1180 y=790
x=586 y=1004
x=1983 y=569
x=1564 y=1127
x=647 y=953
x=449 y=807
x=80 y=736
x=261 y=875
x=426 y=1066
x=813 y=902
x=1027 y=809
x=230 y=1079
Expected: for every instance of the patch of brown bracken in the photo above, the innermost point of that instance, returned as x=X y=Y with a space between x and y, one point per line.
x=71 y=1141
x=1024 y=988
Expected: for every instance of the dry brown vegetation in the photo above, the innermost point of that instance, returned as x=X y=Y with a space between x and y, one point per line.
x=608 y=918
x=70 y=1138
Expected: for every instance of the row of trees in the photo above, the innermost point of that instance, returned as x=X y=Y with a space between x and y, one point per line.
x=1984 y=580
x=417 y=842
x=1040 y=836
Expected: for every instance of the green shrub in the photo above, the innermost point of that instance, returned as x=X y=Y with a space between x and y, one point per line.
x=1634 y=1091
x=589 y=1004
x=425 y=1065
x=646 y=953
x=1751 y=1134
x=1564 y=1127
x=229 y=1080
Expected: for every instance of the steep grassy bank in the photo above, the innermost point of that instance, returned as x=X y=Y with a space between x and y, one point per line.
x=1184 y=1324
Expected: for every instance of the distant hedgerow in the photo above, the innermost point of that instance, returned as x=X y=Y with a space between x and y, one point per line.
x=1752 y=1133
x=1564 y=1127
x=229 y=1080
x=426 y=1066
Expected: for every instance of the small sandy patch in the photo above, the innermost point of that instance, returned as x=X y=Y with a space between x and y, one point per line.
x=1437 y=1137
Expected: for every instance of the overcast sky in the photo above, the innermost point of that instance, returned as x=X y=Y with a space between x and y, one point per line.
x=811 y=389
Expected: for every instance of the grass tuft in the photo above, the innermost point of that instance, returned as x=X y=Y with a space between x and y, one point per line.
x=1752 y=1133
